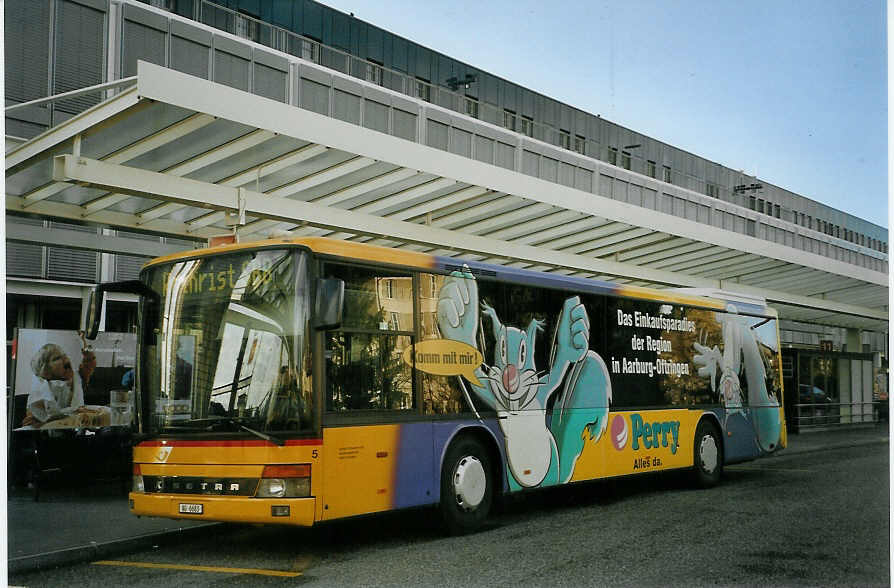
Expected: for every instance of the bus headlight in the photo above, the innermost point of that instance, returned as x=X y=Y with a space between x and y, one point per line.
x=137 y=479
x=285 y=481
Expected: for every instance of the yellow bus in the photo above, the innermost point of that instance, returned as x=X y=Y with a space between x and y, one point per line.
x=300 y=380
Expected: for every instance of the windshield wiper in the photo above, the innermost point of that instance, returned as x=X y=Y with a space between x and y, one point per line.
x=195 y=428
x=215 y=420
x=262 y=435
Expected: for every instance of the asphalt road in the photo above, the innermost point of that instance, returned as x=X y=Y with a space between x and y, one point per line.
x=815 y=519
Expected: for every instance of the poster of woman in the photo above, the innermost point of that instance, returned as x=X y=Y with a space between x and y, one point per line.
x=61 y=382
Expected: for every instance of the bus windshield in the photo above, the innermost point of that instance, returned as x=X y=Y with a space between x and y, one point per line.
x=224 y=345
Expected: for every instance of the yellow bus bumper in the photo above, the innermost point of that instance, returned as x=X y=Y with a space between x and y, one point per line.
x=225 y=508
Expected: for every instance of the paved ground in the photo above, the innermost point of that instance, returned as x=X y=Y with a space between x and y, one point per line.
x=70 y=525
x=75 y=524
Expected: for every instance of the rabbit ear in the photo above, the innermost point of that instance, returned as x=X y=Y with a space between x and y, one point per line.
x=533 y=327
x=489 y=312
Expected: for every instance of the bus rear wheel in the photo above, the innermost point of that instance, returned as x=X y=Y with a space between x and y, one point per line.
x=466 y=486
x=708 y=458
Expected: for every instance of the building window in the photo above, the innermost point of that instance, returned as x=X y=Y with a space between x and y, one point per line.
x=310 y=50
x=564 y=139
x=373 y=73
x=580 y=144
x=751 y=228
x=246 y=27
x=667 y=174
x=471 y=106
x=760 y=205
x=279 y=39
x=527 y=126
x=752 y=203
x=423 y=90
x=712 y=190
x=509 y=120
x=650 y=169
x=777 y=211
x=625 y=160
x=613 y=155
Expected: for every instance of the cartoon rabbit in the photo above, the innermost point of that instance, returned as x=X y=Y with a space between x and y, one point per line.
x=741 y=354
x=541 y=448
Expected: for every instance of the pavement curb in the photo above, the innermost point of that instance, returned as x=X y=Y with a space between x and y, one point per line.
x=830 y=446
x=95 y=550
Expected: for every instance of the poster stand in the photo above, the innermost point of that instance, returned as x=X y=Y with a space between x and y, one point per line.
x=85 y=432
x=10 y=412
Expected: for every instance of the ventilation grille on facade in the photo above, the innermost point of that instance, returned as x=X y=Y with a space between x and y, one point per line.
x=127 y=267
x=71 y=265
x=24 y=259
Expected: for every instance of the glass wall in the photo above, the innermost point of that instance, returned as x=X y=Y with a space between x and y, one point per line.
x=832 y=389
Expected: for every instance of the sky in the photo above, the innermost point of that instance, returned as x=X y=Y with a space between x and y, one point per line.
x=793 y=91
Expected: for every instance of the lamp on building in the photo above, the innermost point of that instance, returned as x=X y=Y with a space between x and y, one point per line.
x=454 y=82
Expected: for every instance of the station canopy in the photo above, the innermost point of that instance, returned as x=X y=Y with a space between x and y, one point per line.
x=179 y=155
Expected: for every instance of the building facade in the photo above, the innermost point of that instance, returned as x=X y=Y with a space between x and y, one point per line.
x=324 y=61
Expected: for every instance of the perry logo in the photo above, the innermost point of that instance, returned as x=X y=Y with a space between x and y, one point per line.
x=619 y=432
x=651 y=435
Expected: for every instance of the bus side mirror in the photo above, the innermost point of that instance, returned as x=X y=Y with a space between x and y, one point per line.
x=94 y=312
x=330 y=303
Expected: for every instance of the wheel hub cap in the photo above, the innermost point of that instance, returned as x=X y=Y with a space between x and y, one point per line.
x=469 y=483
x=707 y=451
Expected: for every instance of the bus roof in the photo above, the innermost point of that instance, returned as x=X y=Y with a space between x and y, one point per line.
x=441 y=264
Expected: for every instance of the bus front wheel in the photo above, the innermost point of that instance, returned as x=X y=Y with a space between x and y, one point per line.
x=708 y=459
x=466 y=486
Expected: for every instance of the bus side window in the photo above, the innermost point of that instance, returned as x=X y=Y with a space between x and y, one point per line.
x=441 y=395
x=444 y=394
x=364 y=356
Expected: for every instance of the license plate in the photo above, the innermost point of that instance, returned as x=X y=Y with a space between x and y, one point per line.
x=189 y=508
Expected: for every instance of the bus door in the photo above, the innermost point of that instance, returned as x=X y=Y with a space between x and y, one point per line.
x=367 y=385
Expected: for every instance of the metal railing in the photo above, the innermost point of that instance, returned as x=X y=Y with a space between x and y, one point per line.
x=281 y=39
x=828 y=414
x=97 y=89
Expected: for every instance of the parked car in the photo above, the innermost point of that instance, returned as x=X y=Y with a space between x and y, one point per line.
x=813 y=404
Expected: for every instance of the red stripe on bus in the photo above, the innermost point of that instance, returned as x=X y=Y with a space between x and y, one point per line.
x=245 y=443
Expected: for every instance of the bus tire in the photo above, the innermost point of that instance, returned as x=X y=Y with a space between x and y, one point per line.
x=466 y=486
x=708 y=455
